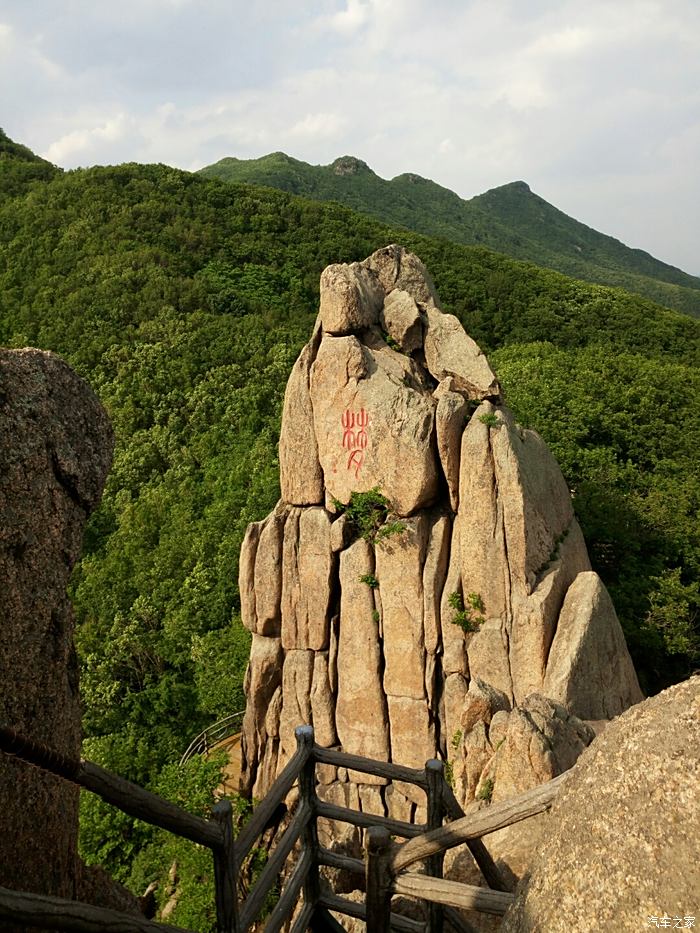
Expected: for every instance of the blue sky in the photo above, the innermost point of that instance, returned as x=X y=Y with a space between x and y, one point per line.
x=595 y=104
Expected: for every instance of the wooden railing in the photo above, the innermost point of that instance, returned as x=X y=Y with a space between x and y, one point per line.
x=216 y=834
x=383 y=869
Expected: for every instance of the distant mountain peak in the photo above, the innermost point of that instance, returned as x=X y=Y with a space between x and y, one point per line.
x=509 y=218
x=513 y=187
x=350 y=165
x=413 y=179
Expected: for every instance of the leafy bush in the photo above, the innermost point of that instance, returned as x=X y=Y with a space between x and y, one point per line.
x=490 y=420
x=485 y=792
x=370 y=580
x=368 y=514
x=468 y=617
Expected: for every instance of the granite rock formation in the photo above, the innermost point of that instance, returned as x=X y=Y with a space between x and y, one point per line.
x=476 y=631
x=55 y=451
x=622 y=840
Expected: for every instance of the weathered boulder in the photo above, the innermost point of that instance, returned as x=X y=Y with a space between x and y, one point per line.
x=55 y=450
x=480 y=704
x=398 y=569
x=301 y=479
x=450 y=418
x=451 y=352
x=396 y=267
x=263 y=678
x=536 y=615
x=373 y=424
x=434 y=574
x=457 y=629
x=297 y=679
x=322 y=702
x=400 y=318
x=351 y=298
x=259 y=574
x=542 y=740
x=520 y=549
x=622 y=840
x=308 y=566
x=361 y=707
x=588 y=669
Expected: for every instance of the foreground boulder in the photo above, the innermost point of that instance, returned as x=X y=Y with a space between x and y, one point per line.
x=55 y=451
x=622 y=843
x=422 y=589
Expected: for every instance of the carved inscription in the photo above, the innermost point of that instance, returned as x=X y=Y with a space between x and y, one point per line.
x=355 y=437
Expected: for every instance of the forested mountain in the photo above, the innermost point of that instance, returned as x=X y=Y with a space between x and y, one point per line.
x=510 y=219
x=184 y=302
x=20 y=167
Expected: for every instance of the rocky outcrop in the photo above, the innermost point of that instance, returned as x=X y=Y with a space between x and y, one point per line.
x=622 y=840
x=55 y=451
x=433 y=597
x=300 y=472
x=374 y=420
x=588 y=669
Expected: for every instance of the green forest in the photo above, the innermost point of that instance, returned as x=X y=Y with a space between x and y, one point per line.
x=511 y=219
x=184 y=302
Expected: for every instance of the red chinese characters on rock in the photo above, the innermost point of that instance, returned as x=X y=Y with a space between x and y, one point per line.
x=355 y=437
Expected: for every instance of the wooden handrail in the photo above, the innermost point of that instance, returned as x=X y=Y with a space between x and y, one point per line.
x=225 y=870
x=385 y=769
x=256 y=899
x=304 y=918
x=434 y=775
x=307 y=796
x=257 y=824
x=126 y=796
x=453 y=893
x=378 y=880
x=467 y=827
x=281 y=911
x=480 y=853
x=476 y=823
x=39 y=910
x=365 y=820
x=338 y=860
x=342 y=905
x=142 y=804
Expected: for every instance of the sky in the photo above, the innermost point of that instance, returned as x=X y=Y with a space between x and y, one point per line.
x=594 y=103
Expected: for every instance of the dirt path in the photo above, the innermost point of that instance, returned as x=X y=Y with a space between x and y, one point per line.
x=232 y=773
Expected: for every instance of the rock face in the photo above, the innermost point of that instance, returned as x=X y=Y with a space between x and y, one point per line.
x=475 y=630
x=622 y=845
x=55 y=451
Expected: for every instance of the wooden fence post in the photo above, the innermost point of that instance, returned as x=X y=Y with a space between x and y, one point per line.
x=225 y=871
x=379 y=879
x=307 y=794
x=434 y=775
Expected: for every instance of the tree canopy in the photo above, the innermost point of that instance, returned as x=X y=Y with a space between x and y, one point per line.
x=184 y=302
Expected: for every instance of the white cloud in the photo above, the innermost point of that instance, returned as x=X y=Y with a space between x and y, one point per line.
x=579 y=99
x=318 y=126
x=348 y=20
x=78 y=145
x=563 y=42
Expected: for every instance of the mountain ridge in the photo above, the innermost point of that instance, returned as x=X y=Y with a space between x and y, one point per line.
x=184 y=302
x=510 y=219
